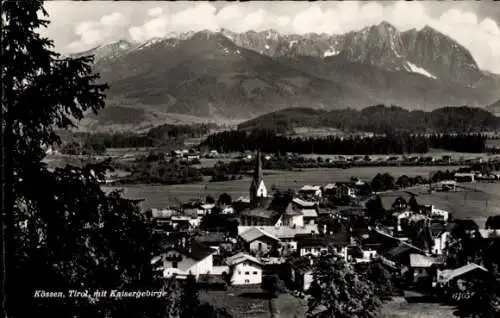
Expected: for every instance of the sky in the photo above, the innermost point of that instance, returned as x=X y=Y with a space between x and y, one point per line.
x=81 y=25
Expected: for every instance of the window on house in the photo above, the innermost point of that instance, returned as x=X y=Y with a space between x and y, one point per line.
x=259 y=246
x=247 y=273
x=255 y=273
x=247 y=281
x=174 y=264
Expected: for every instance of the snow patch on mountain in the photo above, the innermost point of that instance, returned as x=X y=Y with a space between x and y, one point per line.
x=416 y=69
x=149 y=43
x=267 y=46
x=292 y=43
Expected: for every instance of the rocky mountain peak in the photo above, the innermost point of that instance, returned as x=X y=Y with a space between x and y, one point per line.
x=440 y=55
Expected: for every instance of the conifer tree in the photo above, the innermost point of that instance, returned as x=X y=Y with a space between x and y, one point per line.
x=61 y=232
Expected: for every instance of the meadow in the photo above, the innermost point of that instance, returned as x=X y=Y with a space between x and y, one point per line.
x=471 y=201
x=161 y=196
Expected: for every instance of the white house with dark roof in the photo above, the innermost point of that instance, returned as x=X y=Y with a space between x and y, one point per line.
x=244 y=269
x=189 y=258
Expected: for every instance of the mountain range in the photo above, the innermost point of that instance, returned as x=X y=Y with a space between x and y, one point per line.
x=226 y=75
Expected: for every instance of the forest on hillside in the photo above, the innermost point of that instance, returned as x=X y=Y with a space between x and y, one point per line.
x=270 y=142
x=379 y=119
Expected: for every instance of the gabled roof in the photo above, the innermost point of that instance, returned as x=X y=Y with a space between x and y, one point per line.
x=330 y=186
x=418 y=260
x=453 y=273
x=282 y=232
x=194 y=250
x=308 y=187
x=303 y=203
x=241 y=257
x=254 y=233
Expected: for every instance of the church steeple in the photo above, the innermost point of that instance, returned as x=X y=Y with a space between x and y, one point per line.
x=257 y=187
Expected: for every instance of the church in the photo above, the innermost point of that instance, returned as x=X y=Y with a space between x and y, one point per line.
x=258 y=190
x=261 y=210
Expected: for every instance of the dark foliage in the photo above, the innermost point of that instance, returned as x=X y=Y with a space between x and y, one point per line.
x=61 y=231
x=155 y=137
x=268 y=141
x=380 y=119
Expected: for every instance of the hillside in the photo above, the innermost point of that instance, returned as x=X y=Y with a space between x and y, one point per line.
x=494 y=108
x=221 y=76
x=379 y=119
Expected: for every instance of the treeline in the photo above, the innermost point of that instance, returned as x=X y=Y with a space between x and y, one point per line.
x=380 y=119
x=156 y=169
x=268 y=141
x=155 y=137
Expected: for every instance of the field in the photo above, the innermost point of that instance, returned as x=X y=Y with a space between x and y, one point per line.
x=398 y=307
x=493 y=143
x=472 y=201
x=252 y=304
x=162 y=196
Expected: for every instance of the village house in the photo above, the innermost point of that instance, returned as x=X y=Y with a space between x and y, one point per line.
x=361 y=254
x=285 y=234
x=345 y=189
x=464 y=177
x=396 y=250
x=423 y=270
x=206 y=208
x=162 y=214
x=315 y=245
x=226 y=209
x=309 y=216
x=456 y=282
x=260 y=216
x=211 y=239
x=440 y=236
x=311 y=191
x=448 y=185
x=189 y=257
x=311 y=244
x=435 y=213
x=329 y=189
x=291 y=217
x=244 y=269
x=257 y=240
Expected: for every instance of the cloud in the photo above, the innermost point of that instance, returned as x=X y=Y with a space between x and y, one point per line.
x=93 y=33
x=155 y=12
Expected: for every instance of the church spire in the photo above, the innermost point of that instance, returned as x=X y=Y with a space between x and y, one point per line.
x=257 y=187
